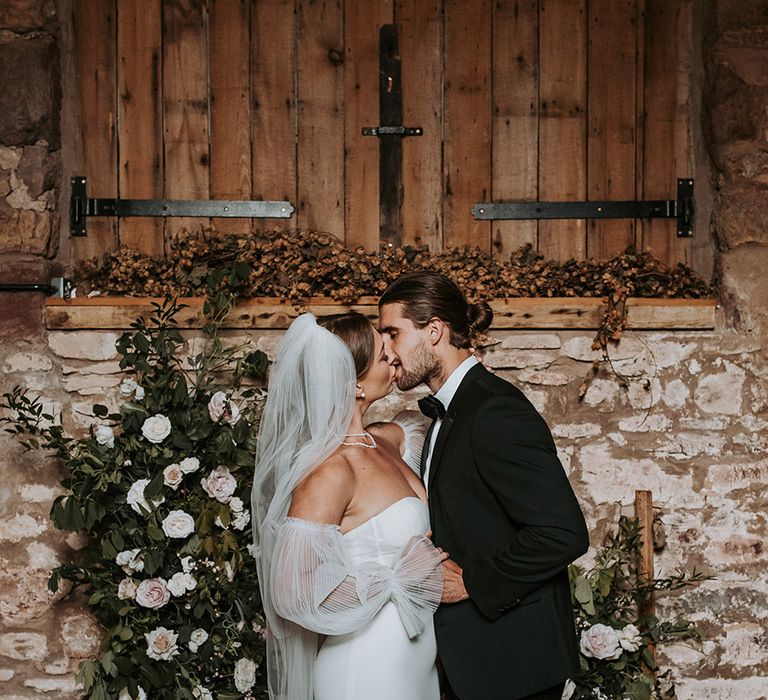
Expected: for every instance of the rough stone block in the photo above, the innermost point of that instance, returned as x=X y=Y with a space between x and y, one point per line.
x=83 y=345
x=602 y=393
x=95 y=368
x=90 y=384
x=38 y=169
x=722 y=392
x=38 y=493
x=27 y=362
x=683 y=446
x=741 y=214
x=676 y=393
x=544 y=377
x=575 y=431
x=43 y=557
x=580 y=348
x=47 y=685
x=518 y=359
x=26 y=15
x=81 y=637
x=531 y=341
x=30 y=97
x=645 y=423
x=613 y=479
x=24 y=646
x=10 y=157
x=21 y=527
x=25 y=594
x=24 y=230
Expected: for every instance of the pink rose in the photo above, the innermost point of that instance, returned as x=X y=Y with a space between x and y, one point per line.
x=153 y=593
x=219 y=484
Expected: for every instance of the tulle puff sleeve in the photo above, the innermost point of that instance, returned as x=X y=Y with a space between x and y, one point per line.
x=414 y=426
x=315 y=585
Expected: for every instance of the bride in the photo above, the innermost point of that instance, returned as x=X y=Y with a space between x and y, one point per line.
x=349 y=578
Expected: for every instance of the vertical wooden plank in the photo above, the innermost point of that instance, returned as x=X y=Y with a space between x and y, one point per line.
x=94 y=38
x=321 y=116
x=515 y=118
x=185 y=98
x=273 y=86
x=611 y=109
x=467 y=142
x=562 y=123
x=140 y=124
x=362 y=21
x=645 y=573
x=668 y=56
x=420 y=23
x=230 y=101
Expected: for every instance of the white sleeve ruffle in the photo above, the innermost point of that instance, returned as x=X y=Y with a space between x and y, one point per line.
x=414 y=425
x=314 y=585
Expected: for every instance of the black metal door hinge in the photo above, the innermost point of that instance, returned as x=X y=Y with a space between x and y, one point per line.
x=81 y=207
x=680 y=209
x=392 y=131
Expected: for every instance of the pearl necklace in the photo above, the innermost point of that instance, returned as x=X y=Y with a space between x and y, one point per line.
x=371 y=446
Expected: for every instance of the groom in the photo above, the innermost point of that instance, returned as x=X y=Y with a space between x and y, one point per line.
x=499 y=503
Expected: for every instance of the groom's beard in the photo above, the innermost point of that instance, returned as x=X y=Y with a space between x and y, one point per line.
x=422 y=367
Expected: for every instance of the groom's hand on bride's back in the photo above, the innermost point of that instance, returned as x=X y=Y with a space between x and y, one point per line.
x=453 y=583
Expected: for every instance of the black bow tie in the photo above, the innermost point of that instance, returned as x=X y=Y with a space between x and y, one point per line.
x=432 y=407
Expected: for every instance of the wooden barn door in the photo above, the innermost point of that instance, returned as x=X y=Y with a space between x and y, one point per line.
x=267 y=99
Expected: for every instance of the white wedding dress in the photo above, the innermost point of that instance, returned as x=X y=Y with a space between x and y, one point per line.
x=380 y=661
x=369 y=594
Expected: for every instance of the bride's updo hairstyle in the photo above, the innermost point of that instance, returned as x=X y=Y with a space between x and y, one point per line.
x=357 y=333
x=426 y=294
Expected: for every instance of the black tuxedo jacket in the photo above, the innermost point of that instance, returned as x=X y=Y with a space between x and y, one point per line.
x=502 y=507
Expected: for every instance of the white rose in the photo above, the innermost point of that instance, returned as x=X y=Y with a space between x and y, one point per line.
x=125 y=695
x=105 y=436
x=221 y=407
x=235 y=504
x=130 y=560
x=156 y=428
x=126 y=589
x=245 y=675
x=197 y=639
x=178 y=524
x=161 y=644
x=219 y=484
x=136 y=499
x=600 y=642
x=187 y=564
x=139 y=393
x=189 y=465
x=241 y=520
x=180 y=583
x=568 y=690
x=172 y=476
x=202 y=693
x=153 y=593
x=253 y=550
x=630 y=638
x=217 y=406
x=128 y=386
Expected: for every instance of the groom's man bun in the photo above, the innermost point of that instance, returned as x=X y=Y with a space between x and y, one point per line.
x=425 y=294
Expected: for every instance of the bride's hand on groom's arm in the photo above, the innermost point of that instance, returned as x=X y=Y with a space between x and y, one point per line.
x=453 y=583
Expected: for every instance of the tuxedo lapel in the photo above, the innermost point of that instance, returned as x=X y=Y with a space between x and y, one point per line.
x=451 y=412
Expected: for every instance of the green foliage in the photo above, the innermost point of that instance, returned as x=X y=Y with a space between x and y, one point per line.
x=219 y=593
x=618 y=663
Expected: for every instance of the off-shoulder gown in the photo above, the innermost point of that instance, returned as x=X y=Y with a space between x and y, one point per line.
x=379 y=661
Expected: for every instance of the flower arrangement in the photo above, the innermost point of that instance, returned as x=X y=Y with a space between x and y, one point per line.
x=160 y=487
x=615 y=638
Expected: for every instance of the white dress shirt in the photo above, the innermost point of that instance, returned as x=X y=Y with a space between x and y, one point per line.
x=445 y=396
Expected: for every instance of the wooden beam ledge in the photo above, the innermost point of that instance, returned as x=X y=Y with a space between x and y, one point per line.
x=569 y=313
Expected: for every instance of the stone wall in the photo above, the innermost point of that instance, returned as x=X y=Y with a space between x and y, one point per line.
x=691 y=425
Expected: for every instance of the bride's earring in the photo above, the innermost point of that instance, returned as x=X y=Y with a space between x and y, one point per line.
x=360 y=393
